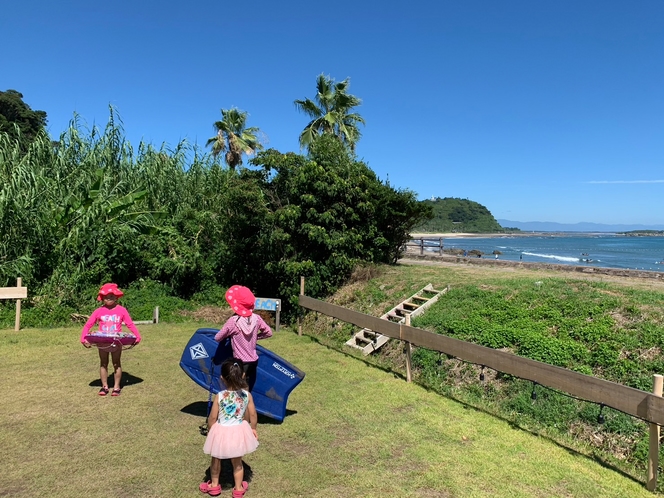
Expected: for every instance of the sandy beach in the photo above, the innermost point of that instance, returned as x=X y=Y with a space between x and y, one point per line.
x=461 y=235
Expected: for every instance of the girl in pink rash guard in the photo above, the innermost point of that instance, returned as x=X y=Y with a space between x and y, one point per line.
x=110 y=318
x=244 y=328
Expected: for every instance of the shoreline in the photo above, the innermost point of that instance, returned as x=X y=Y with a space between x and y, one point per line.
x=494 y=235
x=504 y=235
x=587 y=270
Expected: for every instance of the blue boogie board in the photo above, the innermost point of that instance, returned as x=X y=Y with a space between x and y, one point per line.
x=275 y=377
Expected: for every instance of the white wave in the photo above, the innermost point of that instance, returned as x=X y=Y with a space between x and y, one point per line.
x=551 y=256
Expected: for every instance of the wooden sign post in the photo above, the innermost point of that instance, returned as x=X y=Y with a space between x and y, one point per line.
x=19 y=292
x=269 y=304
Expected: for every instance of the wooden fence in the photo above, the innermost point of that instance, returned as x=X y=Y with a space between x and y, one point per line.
x=421 y=244
x=641 y=404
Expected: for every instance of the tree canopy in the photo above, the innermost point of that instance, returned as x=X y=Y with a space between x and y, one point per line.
x=14 y=112
x=234 y=138
x=331 y=112
x=458 y=215
x=94 y=209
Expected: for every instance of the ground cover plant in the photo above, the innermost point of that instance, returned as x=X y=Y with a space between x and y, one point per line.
x=352 y=429
x=607 y=327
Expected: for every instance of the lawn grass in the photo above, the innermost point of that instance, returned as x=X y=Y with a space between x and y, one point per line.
x=353 y=429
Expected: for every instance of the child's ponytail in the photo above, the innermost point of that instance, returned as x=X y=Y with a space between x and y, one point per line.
x=232 y=371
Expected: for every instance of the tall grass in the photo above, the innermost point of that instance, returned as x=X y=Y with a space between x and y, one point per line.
x=90 y=207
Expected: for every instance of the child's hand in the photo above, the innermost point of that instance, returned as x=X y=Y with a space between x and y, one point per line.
x=87 y=344
x=255 y=433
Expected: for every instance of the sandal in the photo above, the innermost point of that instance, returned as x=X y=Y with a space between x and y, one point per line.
x=116 y=392
x=103 y=391
x=239 y=493
x=211 y=490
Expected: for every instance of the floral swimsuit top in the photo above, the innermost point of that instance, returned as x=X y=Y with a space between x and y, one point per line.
x=232 y=405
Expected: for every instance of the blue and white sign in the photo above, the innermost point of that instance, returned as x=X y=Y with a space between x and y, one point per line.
x=267 y=304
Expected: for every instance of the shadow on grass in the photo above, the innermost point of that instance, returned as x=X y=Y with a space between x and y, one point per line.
x=226 y=477
x=127 y=379
x=200 y=409
x=262 y=419
x=594 y=456
x=197 y=408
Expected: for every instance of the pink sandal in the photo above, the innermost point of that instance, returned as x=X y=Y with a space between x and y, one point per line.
x=211 y=490
x=116 y=392
x=103 y=391
x=239 y=493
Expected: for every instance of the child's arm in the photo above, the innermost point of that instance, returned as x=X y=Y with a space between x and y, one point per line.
x=214 y=412
x=226 y=330
x=265 y=330
x=251 y=416
x=130 y=325
x=88 y=325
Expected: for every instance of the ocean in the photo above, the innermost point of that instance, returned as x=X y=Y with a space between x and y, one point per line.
x=600 y=250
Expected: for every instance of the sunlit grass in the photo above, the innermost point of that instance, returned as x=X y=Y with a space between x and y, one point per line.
x=353 y=430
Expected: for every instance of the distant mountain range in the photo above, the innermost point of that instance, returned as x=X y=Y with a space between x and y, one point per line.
x=549 y=226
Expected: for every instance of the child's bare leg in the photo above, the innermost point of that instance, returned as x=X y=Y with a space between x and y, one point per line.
x=215 y=471
x=238 y=472
x=103 y=368
x=117 y=367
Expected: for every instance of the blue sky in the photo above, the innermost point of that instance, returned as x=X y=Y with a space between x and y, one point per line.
x=539 y=110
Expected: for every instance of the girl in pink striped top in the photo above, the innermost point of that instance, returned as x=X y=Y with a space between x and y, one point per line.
x=244 y=328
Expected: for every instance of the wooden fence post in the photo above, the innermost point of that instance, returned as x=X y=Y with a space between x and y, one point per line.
x=440 y=242
x=421 y=246
x=17 y=323
x=299 y=320
x=653 y=452
x=409 y=375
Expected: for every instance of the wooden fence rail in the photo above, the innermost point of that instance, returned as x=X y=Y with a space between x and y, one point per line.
x=421 y=244
x=641 y=404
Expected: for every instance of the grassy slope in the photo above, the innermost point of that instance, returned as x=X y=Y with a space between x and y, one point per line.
x=355 y=430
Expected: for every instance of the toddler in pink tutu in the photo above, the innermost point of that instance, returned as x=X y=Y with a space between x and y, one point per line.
x=232 y=429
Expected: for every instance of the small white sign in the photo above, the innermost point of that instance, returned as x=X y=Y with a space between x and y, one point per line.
x=197 y=351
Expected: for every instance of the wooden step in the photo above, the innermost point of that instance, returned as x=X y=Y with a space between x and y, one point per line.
x=369 y=341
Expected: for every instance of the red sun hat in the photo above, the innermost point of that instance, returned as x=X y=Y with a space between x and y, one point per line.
x=107 y=289
x=241 y=300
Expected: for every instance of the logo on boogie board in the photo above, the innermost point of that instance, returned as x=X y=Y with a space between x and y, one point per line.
x=197 y=351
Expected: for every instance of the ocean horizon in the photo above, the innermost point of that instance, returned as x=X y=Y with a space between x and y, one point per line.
x=605 y=250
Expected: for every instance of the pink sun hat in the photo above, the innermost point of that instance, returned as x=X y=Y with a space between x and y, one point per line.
x=241 y=300
x=107 y=289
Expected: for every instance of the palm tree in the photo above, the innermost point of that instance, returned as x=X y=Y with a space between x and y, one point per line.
x=233 y=138
x=331 y=113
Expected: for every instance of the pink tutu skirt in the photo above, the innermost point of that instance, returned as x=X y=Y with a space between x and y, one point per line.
x=230 y=441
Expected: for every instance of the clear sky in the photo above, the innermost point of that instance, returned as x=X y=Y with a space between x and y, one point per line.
x=539 y=110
